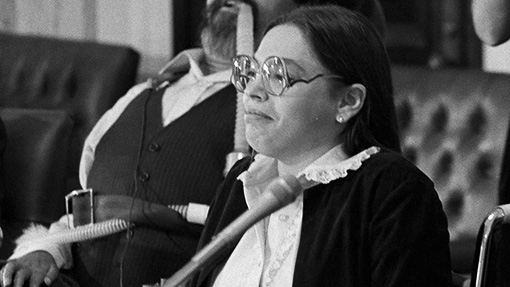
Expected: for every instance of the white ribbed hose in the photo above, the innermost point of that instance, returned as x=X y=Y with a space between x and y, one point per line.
x=85 y=232
x=244 y=46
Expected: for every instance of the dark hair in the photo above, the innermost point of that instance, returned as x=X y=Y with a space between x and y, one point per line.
x=365 y=7
x=347 y=44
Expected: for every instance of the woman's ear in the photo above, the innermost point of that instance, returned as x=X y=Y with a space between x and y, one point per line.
x=351 y=102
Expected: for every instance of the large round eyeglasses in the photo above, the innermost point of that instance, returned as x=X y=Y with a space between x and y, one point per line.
x=274 y=74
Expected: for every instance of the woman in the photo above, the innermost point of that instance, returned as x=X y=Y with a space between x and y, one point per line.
x=319 y=106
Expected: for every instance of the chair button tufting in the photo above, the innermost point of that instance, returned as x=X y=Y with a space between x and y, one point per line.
x=154 y=147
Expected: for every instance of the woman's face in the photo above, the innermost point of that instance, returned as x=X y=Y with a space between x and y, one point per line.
x=299 y=125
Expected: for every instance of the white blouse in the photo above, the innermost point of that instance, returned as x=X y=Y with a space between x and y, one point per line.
x=266 y=254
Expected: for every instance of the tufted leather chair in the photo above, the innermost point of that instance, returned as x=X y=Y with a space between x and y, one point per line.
x=491 y=267
x=454 y=127
x=52 y=92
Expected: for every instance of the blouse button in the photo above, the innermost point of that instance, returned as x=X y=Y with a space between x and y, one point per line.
x=143 y=176
x=283 y=217
x=153 y=147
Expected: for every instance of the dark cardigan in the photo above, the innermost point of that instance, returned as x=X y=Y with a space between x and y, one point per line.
x=382 y=225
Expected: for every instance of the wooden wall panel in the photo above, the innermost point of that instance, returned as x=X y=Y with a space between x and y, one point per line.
x=7 y=15
x=144 y=25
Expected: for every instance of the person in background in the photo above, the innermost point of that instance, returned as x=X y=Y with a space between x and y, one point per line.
x=164 y=143
x=318 y=97
x=491 y=19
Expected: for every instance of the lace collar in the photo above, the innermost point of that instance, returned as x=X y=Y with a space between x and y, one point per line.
x=331 y=166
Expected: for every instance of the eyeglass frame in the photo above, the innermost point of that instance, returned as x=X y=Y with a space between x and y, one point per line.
x=288 y=81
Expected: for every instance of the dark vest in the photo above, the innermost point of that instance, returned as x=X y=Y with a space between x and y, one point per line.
x=177 y=164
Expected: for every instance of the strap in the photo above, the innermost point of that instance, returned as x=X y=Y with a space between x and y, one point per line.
x=132 y=210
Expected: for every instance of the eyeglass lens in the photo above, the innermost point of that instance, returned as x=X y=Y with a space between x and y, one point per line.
x=273 y=71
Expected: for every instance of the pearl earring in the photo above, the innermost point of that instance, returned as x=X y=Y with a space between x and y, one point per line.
x=340 y=119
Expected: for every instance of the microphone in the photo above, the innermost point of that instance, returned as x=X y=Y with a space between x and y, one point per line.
x=279 y=193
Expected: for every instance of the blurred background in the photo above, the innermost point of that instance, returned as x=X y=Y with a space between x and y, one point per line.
x=436 y=33
x=454 y=120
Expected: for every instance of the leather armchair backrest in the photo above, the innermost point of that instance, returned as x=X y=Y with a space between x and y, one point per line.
x=454 y=127
x=52 y=92
x=84 y=78
x=33 y=170
x=35 y=160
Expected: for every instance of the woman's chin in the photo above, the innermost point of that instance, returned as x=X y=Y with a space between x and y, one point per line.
x=255 y=127
x=262 y=144
x=256 y=141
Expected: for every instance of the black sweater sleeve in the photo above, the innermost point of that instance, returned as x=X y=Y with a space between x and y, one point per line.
x=408 y=230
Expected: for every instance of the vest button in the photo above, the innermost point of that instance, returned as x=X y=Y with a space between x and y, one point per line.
x=153 y=147
x=143 y=176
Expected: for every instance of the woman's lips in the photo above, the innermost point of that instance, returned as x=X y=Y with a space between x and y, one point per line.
x=254 y=115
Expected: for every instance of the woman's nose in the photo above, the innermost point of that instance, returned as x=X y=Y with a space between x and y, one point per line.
x=255 y=89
